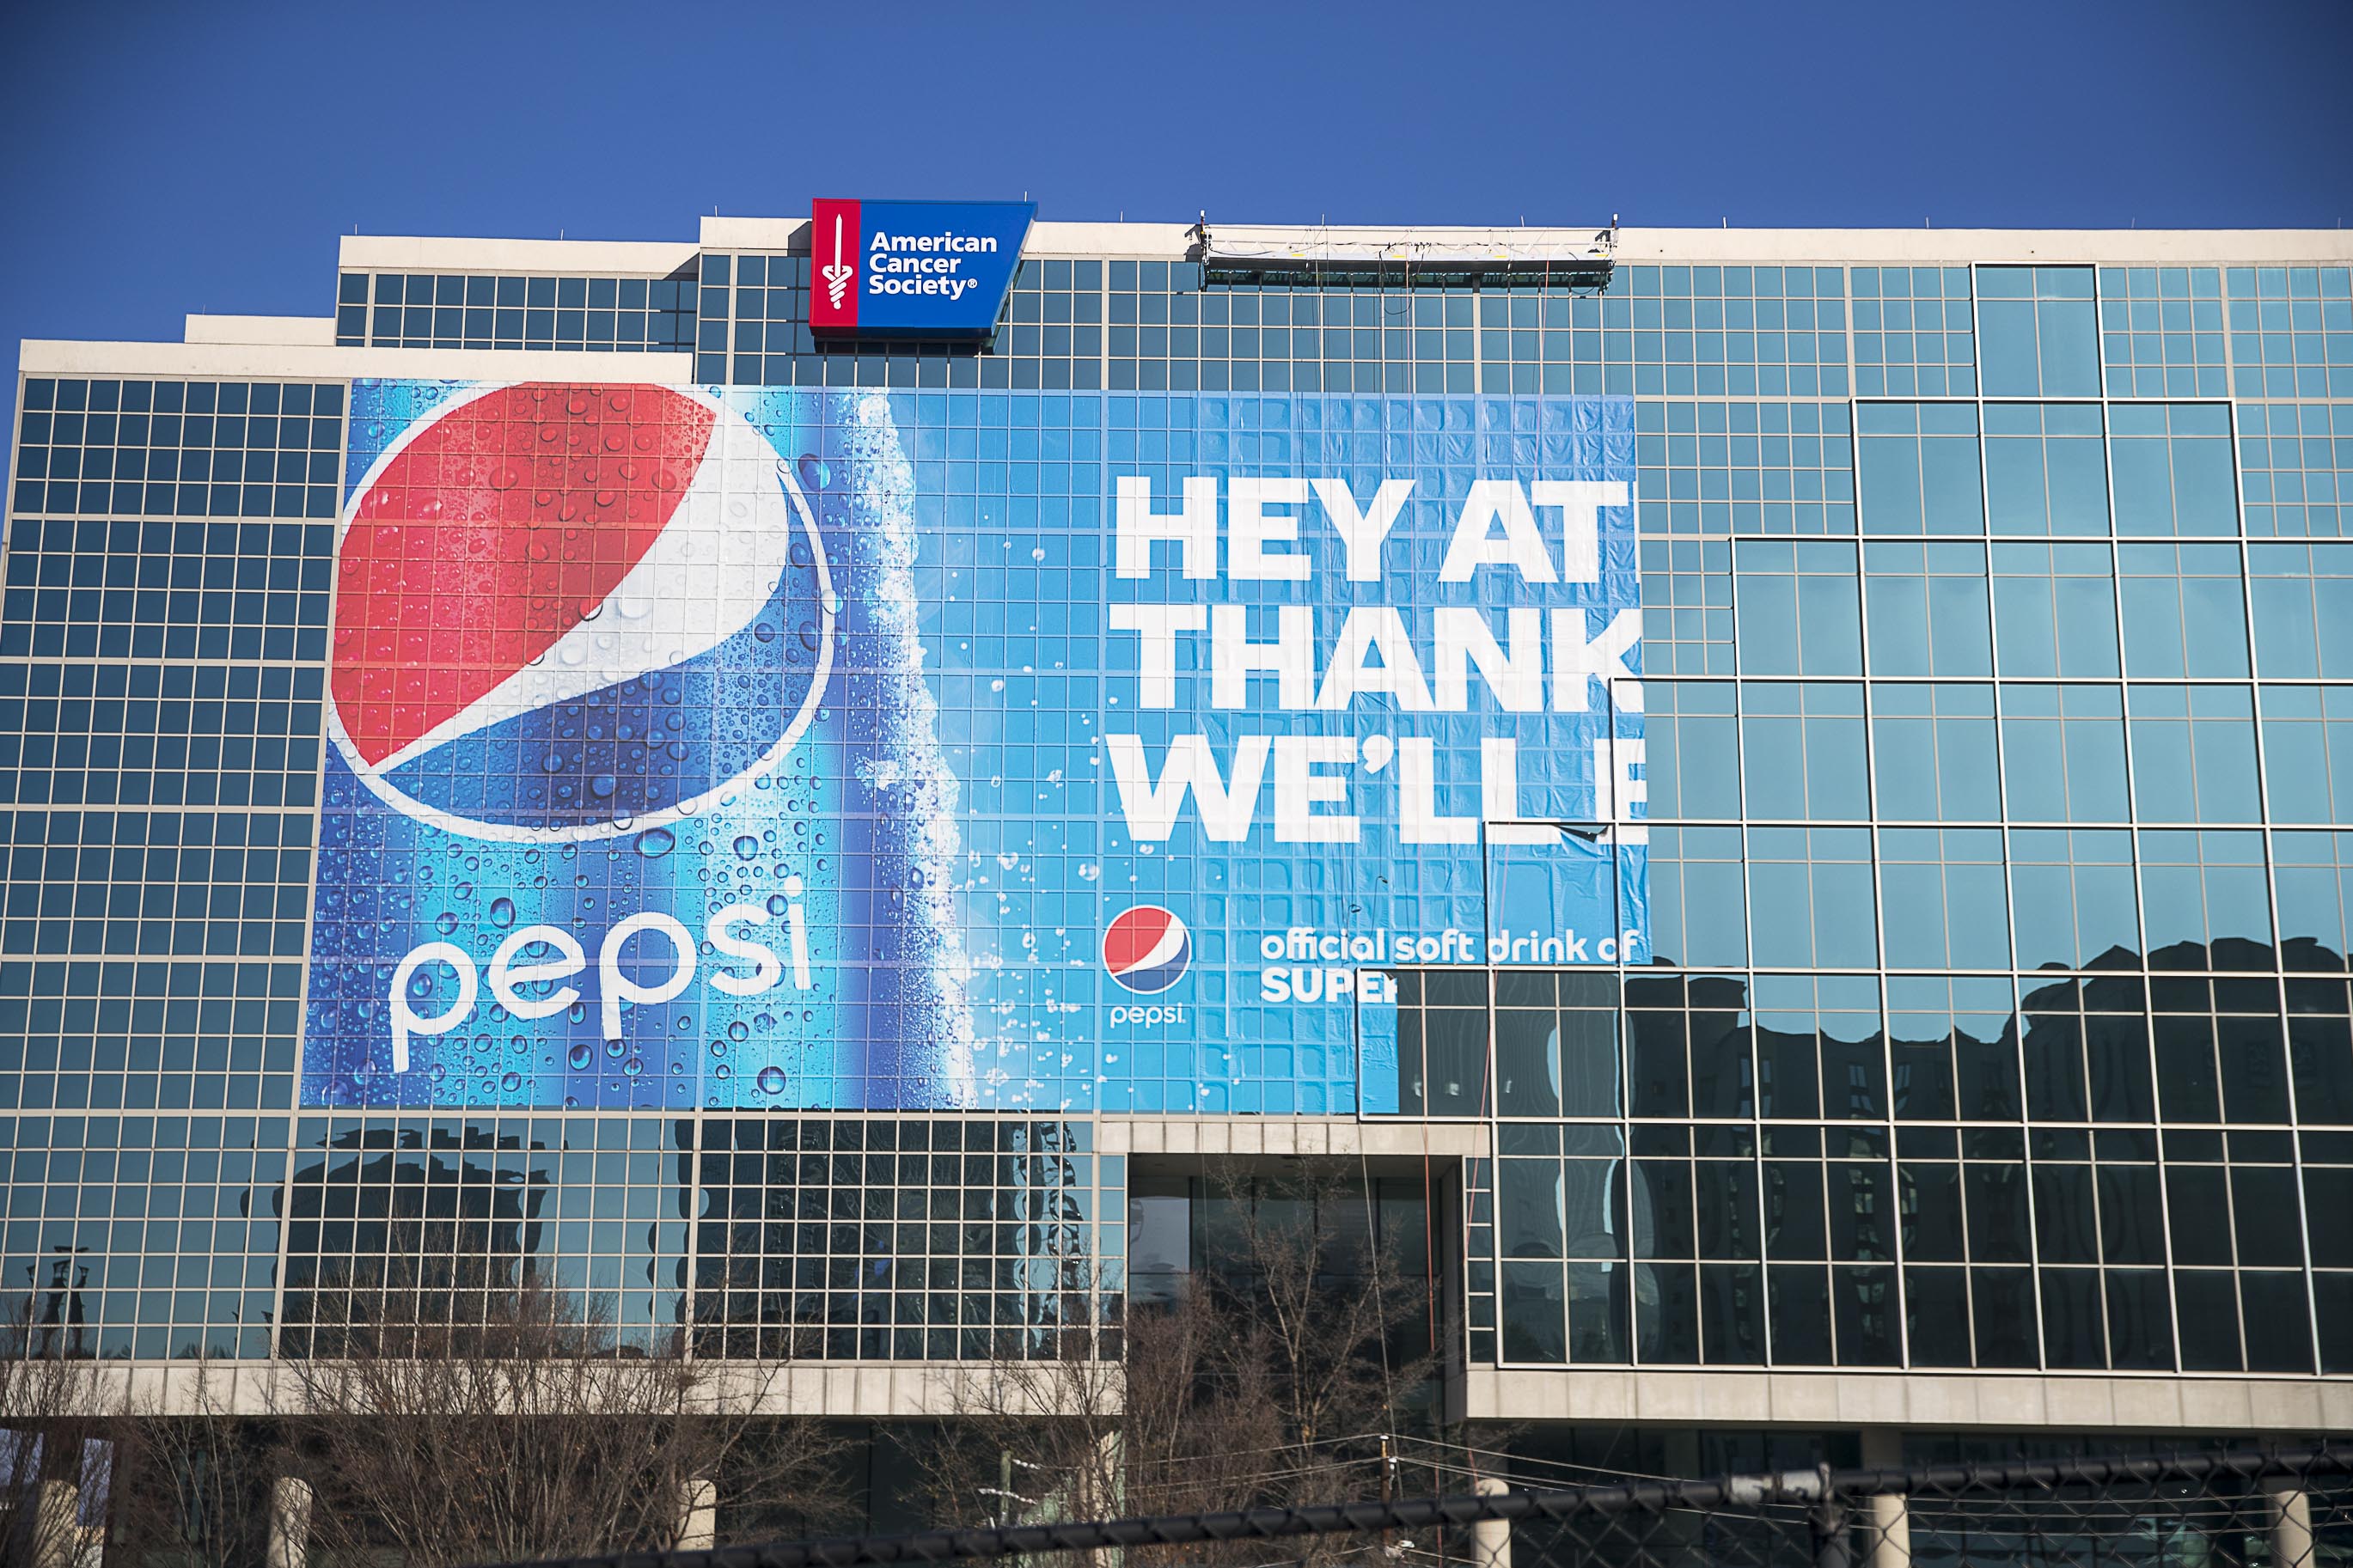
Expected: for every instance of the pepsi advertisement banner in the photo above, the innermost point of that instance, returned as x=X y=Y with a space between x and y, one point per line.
x=851 y=749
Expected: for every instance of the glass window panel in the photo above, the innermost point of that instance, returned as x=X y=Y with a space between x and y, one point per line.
x=2172 y=469
x=2063 y=753
x=2039 y=335
x=1802 y=752
x=1918 y=469
x=1927 y=611
x=2193 y=754
x=2184 y=610
x=2314 y=884
x=1933 y=753
x=2303 y=597
x=2308 y=752
x=2205 y=902
x=2076 y=904
x=2007 y=359
x=2054 y=610
x=1697 y=915
x=2046 y=469
x=1799 y=611
x=1692 y=763
x=1944 y=897
x=2206 y=1305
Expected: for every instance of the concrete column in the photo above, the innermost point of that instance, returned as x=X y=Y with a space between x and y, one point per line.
x=698 y=1515
x=2290 y=1510
x=1889 y=1542
x=56 y=1531
x=1491 y=1539
x=1679 y=1532
x=289 y=1523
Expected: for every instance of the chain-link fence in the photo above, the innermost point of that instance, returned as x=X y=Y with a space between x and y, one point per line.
x=2250 y=1509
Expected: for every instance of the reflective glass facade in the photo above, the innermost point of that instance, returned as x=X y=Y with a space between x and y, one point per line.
x=1997 y=687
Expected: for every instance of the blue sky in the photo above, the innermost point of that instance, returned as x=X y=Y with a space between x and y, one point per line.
x=167 y=159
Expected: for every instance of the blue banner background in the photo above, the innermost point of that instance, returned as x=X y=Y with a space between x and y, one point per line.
x=961 y=854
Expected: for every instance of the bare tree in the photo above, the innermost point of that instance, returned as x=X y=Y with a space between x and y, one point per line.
x=1270 y=1378
x=58 y=1428
x=530 y=1432
x=196 y=1475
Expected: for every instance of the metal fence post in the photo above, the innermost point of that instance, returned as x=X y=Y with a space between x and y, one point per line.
x=1828 y=1518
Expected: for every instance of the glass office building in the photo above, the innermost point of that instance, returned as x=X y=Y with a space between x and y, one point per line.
x=1971 y=1047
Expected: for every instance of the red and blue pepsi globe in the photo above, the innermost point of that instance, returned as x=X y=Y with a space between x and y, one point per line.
x=1147 y=949
x=563 y=611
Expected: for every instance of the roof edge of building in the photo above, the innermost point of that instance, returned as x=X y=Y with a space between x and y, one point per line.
x=280 y=360
x=1174 y=241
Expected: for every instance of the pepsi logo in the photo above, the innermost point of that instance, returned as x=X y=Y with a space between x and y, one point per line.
x=1147 y=949
x=565 y=611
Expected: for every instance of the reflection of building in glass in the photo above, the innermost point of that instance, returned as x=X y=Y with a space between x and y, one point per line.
x=1985 y=1067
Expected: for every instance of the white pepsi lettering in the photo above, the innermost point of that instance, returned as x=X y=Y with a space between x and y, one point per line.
x=1373 y=653
x=797 y=928
x=1579 y=660
x=1361 y=532
x=614 y=988
x=1621 y=788
x=768 y=969
x=1194 y=530
x=506 y=974
x=1151 y=807
x=1499 y=795
x=1495 y=504
x=1234 y=656
x=1581 y=502
x=1378 y=630
x=1300 y=785
x=1312 y=793
x=1156 y=627
x=1251 y=528
x=405 y=1020
x=1464 y=638
x=1419 y=818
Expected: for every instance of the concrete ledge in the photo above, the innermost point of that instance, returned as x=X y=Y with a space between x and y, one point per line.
x=856 y=1389
x=296 y=361
x=306 y=331
x=431 y=253
x=1957 y=246
x=1913 y=1401
x=1731 y=1398
x=1169 y=242
x=1225 y=1136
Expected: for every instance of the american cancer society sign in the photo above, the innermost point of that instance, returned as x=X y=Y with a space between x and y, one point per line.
x=913 y=269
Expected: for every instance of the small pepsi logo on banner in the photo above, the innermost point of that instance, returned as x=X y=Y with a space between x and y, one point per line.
x=913 y=269
x=1147 y=949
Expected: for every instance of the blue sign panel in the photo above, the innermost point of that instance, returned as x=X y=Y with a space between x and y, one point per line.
x=913 y=269
x=854 y=749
